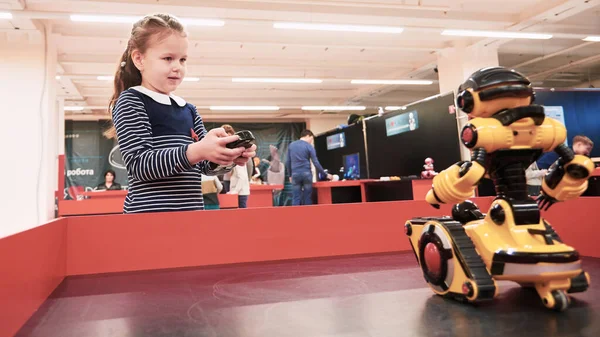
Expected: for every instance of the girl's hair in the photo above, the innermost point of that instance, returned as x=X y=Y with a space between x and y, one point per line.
x=156 y=26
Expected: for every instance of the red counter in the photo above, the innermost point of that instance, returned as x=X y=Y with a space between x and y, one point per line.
x=262 y=195
x=420 y=187
x=324 y=189
x=101 y=202
x=111 y=202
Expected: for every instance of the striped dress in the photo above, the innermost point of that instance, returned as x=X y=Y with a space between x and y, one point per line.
x=154 y=131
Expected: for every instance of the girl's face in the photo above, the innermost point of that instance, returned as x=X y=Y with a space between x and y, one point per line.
x=109 y=177
x=163 y=66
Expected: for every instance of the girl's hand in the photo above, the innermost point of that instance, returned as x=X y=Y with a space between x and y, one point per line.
x=246 y=155
x=212 y=148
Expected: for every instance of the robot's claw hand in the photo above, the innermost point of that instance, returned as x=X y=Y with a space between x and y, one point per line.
x=545 y=201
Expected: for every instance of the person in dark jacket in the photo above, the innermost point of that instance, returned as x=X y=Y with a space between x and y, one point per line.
x=109 y=183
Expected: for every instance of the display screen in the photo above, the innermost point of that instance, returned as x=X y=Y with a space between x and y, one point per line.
x=405 y=122
x=352 y=166
x=336 y=141
x=334 y=159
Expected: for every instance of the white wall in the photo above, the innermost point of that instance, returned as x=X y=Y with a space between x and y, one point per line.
x=320 y=125
x=28 y=131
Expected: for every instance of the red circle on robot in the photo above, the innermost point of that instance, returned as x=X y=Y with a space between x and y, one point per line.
x=467 y=135
x=433 y=259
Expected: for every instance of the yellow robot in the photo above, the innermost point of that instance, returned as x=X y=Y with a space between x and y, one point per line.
x=463 y=255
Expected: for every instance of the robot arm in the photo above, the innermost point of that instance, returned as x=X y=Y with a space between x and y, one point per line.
x=567 y=178
x=457 y=183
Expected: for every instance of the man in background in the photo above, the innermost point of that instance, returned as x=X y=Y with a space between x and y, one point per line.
x=297 y=165
x=581 y=145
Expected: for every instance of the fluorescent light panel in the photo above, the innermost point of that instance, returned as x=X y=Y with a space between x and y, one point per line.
x=73 y=108
x=242 y=108
x=392 y=108
x=496 y=34
x=276 y=80
x=400 y=82
x=6 y=15
x=133 y=19
x=338 y=28
x=203 y=22
x=592 y=39
x=104 y=18
x=335 y=108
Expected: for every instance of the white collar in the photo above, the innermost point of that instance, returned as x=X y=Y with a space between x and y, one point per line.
x=158 y=97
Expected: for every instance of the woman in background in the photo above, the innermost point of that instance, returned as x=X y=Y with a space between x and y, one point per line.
x=109 y=183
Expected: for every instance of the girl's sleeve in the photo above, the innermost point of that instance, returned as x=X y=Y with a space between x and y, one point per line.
x=134 y=134
x=204 y=166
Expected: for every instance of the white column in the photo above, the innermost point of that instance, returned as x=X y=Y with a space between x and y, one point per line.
x=455 y=65
x=28 y=130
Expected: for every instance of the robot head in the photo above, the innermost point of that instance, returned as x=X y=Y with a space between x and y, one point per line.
x=493 y=89
x=428 y=161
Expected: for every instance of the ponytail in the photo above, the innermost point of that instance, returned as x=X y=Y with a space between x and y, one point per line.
x=126 y=76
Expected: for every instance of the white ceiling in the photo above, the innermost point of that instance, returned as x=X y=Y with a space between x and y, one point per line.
x=248 y=46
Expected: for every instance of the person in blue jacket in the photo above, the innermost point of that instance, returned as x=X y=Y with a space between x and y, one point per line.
x=300 y=154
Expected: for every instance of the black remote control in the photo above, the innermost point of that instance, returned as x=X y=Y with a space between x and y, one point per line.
x=246 y=140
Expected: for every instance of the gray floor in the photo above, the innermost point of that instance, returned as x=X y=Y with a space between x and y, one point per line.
x=381 y=295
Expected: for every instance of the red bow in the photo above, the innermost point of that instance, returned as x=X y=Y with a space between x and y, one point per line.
x=194 y=135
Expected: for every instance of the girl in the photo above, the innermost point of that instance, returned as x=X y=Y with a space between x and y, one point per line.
x=162 y=139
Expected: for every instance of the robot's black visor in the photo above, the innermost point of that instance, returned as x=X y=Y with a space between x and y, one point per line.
x=516 y=91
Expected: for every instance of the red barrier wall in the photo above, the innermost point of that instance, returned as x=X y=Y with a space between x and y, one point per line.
x=34 y=262
x=32 y=265
x=116 y=243
x=577 y=222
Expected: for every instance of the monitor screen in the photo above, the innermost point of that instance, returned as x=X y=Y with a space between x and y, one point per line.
x=336 y=141
x=352 y=166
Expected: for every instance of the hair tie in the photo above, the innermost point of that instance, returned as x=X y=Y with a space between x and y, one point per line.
x=123 y=64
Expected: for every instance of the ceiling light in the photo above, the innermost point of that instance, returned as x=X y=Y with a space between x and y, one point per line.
x=392 y=108
x=507 y=35
x=191 y=79
x=133 y=19
x=73 y=108
x=277 y=80
x=240 y=108
x=592 y=39
x=335 y=108
x=104 y=18
x=6 y=15
x=105 y=78
x=57 y=77
x=203 y=22
x=338 y=28
x=403 y=82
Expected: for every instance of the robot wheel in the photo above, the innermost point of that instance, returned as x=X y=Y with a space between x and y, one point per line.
x=449 y=261
x=558 y=300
